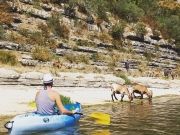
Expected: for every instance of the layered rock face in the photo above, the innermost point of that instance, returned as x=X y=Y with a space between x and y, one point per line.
x=62 y=79
x=150 y=50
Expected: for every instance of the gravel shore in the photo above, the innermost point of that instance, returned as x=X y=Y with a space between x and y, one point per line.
x=15 y=98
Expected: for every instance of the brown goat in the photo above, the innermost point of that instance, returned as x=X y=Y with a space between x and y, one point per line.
x=141 y=89
x=120 y=89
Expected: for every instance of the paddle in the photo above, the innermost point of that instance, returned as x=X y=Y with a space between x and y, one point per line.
x=100 y=118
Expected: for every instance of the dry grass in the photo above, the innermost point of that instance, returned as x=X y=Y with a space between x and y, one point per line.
x=105 y=37
x=8 y=57
x=16 y=37
x=5 y=15
x=42 y=54
x=170 y=4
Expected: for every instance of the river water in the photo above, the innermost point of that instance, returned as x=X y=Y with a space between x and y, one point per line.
x=161 y=117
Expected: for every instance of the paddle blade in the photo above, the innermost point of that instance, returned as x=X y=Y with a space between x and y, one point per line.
x=101 y=118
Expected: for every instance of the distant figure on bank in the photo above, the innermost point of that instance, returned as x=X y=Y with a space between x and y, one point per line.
x=90 y=22
x=168 y=72
x=127 y=65
x=47 y=98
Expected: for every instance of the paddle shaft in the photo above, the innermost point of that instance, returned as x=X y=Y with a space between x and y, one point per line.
x=101 y=118
x=79 y=113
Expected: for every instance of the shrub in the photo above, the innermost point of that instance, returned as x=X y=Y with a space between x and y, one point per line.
x=65 y=100
x=63 y=31
x=33 y=37
x=7 y=57
x=41 y=54
x=99 y=7
x=85 y=43
x=117 y=31
x=124 y=77
x=118 y=44
x=100 y=57
x=82 y=42
x=16 y=38
x=44 y=29
x=148 y=55
x=140 y=29
x=24 y=32
x=105 y=37
x=1 y=32
x=36 y=4
x=101 y=13
x=127 y=10
x=112 y=63
x=83 y=59
x=5 y=15
x=149 y=6
x=52 y=44
x=95 y=57
x=37 y=38
x=77 y=58
x=70 y=57
x=57 y=27
x=151 y=21
x=172 y=25
x=82 y=8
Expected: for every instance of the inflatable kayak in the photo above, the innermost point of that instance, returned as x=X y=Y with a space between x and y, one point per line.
x=32 y=122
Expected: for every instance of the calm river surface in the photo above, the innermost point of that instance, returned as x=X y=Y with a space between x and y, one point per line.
x=161 y=117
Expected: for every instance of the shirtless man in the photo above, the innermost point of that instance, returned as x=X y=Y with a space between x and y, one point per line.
x=47 y=98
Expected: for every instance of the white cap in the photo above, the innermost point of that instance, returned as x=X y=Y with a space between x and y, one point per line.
x=47 y=78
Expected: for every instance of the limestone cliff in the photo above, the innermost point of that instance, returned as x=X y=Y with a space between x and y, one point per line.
x=56 y=34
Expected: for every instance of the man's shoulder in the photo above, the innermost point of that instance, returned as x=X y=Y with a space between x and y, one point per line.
x=54 y=92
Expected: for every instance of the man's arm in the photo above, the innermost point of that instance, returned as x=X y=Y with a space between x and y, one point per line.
x=36 y=95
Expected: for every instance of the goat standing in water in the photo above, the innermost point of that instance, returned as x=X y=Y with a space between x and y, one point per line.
x=141 y=89
x=120 y=89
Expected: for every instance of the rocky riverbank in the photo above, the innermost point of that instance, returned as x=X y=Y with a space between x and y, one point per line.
x=18 y=89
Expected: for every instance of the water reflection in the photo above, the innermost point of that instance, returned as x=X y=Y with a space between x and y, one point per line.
x=161 y=117
x=65 y=131
x=101 y=132
x=139 y=110
x=147 y=118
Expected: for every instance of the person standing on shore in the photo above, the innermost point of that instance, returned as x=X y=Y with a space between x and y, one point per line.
x=47 y=98
x=90 y=22
x=127 y=65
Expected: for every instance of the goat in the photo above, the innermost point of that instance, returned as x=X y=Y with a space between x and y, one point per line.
x=141 y=89
x=120 y=89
